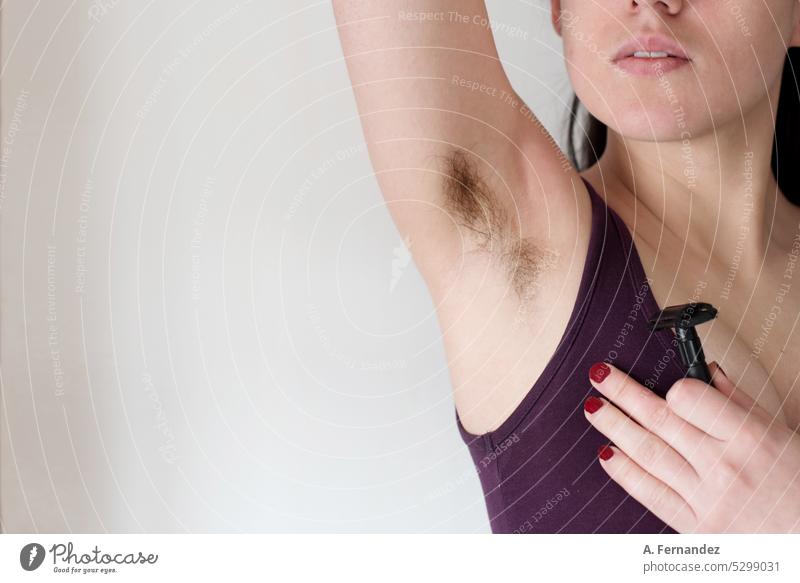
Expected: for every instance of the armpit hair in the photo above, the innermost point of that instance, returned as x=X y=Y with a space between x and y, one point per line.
x=474 y=205
x=470 y=201
x=526 y=264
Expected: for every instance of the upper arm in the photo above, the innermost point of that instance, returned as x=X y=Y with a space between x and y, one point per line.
x=462 y=163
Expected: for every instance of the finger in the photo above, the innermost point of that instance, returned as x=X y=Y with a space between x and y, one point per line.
x=651 y=492
x=646 y=449
x=706 y=408
x=726 y=386
x=647 y=408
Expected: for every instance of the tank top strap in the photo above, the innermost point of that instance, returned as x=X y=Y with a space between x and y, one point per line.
x=625 y=251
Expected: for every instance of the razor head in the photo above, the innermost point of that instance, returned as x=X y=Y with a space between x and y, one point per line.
x=683 y=316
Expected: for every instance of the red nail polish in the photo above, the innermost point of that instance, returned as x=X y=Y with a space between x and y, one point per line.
x=592 y=404
x=605 y=452
x=599 y=372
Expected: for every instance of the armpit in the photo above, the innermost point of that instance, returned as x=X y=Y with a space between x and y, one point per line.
x=526 y=265
x=469 y=200
x=476 y=207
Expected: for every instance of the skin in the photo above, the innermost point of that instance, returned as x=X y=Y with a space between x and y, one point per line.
x=490 y=229
x=703 y=460
x=729 y=96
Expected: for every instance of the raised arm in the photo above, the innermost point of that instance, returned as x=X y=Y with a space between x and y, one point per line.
x=466 y=169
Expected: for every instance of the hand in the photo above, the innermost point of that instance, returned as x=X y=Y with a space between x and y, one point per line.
x=705 y=459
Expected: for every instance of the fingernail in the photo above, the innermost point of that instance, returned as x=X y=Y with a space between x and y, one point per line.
x=592 y=404
x=599 y=372
x=605 y=452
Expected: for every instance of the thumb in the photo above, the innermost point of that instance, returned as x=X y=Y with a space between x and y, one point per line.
x=725 y=386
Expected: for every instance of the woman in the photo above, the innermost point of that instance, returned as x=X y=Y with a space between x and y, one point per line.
x=545 y=270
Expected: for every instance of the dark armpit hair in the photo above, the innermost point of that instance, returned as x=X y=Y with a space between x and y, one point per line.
x=476 y=207
x=785 y=146
x=469 y=200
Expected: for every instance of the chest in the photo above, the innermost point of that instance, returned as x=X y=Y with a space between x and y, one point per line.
x=755 y=337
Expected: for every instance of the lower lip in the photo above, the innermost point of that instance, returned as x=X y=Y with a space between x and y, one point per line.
x=644 y=66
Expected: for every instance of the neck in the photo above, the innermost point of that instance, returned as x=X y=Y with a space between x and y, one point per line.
x=714 y=191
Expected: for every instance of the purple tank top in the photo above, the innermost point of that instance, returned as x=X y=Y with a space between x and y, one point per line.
x=539 y=469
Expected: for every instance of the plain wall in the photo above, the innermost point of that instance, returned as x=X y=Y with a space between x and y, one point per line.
x=209 y=321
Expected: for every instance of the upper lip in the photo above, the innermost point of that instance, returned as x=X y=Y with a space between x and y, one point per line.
x=653 y=42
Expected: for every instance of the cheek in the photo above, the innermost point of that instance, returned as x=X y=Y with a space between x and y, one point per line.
x=742 y=64
x=754 y=53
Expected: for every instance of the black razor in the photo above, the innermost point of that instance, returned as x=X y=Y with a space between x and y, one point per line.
x=684 y=318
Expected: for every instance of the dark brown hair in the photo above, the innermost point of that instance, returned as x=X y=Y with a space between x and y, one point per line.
x=785 y=146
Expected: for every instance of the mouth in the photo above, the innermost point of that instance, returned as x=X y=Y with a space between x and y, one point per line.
x=650 y=65
x=655 y=46
x=651 y=55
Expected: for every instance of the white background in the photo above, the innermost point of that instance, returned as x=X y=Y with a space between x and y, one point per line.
x=209 y=323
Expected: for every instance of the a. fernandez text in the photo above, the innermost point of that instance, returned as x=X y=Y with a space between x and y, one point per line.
x=682 y=550
x=65 y=555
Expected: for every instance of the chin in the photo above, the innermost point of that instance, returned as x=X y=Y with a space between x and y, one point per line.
x=653 y=124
